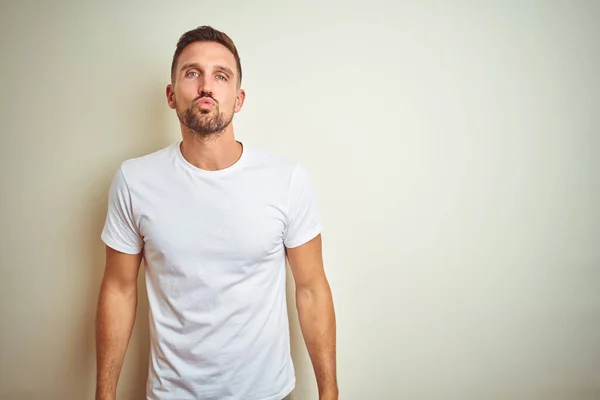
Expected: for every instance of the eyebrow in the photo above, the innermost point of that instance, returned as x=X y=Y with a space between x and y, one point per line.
x=221 y=68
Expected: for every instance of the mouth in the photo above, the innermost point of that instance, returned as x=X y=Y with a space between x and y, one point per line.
x=205 y=102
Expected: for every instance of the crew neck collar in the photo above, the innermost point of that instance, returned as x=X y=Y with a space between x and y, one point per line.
x=235 y=166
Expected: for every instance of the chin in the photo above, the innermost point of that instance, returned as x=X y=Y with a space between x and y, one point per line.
x=204 y=111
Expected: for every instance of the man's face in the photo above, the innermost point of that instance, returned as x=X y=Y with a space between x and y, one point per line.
x=205 y=92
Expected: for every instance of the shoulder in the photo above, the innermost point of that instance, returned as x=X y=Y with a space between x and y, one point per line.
x=269 y=162
x=261 y=156
x=149 y=165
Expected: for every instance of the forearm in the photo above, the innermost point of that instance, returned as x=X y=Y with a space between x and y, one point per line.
x=317 y=321
x=114 y=323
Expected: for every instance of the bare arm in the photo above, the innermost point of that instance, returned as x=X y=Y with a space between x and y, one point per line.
x=316 y=313
x=117 y=304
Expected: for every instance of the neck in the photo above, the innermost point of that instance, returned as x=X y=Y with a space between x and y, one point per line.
x=211 y=153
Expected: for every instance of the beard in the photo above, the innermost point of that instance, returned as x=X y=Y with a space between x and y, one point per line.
x=202 y=122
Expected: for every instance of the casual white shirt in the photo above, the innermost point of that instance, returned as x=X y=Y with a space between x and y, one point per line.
x=214 y=249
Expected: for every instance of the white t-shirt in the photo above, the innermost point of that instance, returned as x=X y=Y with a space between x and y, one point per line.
x=214 y=246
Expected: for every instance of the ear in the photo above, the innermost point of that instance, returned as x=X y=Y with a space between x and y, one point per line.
x=171 y=96
x=239 y=100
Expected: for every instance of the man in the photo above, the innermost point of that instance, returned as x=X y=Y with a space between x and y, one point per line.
x=214 y=220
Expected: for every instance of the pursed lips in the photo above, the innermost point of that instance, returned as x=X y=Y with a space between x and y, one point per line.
x=205 y=102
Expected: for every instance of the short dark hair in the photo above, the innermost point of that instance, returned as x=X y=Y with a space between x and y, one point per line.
x=205 y=34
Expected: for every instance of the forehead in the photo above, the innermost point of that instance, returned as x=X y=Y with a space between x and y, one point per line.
x=207 y=54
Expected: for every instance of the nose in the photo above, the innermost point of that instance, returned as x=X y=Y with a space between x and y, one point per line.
x=205 y=85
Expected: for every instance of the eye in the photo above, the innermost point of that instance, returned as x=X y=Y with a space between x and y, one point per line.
x=191 y=73
x=222 y=77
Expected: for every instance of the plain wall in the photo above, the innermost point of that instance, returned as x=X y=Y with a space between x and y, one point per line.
x=454 y=147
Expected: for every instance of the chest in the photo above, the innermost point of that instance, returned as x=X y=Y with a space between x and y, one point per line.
x=215 y=225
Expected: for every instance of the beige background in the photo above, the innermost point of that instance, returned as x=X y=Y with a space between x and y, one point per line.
x=454 y=147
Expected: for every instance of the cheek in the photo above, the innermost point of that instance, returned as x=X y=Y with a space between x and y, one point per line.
x=225 y=100
x=182 y=100
x=186 y=91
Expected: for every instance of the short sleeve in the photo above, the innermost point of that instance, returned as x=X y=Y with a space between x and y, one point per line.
x=303 y=221
x=120 y=231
